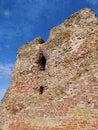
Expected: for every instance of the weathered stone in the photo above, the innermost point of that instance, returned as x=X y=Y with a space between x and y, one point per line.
x=54 y=84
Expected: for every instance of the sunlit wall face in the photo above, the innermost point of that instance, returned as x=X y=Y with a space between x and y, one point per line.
x=23 y=20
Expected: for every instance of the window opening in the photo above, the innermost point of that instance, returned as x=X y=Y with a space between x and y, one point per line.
x=42 y=63
x=41 y=89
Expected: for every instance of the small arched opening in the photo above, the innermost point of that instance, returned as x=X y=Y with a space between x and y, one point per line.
x=42 y=63
x=41 y=89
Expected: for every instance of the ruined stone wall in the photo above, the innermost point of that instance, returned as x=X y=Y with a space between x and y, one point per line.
x=54 y=84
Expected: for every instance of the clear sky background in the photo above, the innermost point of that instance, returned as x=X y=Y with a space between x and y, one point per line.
x=23 y=20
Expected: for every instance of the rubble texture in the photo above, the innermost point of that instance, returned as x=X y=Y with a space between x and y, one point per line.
x=54 y=84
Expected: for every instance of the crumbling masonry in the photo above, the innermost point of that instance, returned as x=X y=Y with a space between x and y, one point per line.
x=54 y=84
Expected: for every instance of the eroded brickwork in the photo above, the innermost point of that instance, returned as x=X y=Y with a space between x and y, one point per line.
x=54 y=84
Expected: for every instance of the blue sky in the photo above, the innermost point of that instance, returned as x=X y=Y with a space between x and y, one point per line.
x=24 y=20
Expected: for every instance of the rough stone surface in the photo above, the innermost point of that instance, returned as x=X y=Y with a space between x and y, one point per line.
x=54 y=84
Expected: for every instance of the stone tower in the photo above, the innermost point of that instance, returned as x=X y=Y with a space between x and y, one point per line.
x=54 y=84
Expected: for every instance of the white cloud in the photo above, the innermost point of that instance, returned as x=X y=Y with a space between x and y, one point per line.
x=2 y=92
x=94 y=2
x=5 y=70
x=5 y=73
